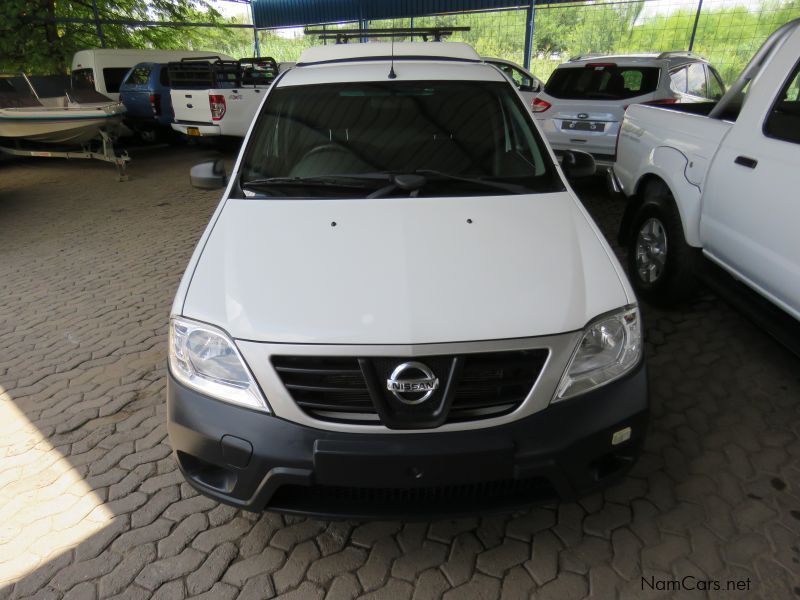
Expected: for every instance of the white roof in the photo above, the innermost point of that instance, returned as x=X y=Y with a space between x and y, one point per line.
x=636 y=59
x=355 y=51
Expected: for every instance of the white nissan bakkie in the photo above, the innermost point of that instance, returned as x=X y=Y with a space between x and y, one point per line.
x=399 y=306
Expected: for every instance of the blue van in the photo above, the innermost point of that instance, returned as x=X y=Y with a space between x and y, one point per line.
x=145 y=94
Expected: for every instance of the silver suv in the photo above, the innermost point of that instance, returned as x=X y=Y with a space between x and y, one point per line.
x=584 y=100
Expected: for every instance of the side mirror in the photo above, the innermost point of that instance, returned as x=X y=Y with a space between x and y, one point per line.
x=528 y=88
x=209 y=175
x=576 y=164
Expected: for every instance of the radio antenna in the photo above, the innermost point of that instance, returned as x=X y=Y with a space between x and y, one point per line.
x=392 y=74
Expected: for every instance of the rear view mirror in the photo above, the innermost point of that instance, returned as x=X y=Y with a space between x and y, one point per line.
x=528 y=88
x=576 y=164
x=208 y=175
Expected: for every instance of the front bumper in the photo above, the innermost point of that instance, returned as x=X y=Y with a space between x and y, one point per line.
x=257 y=461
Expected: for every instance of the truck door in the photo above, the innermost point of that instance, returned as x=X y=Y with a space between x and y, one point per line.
x=751 y=202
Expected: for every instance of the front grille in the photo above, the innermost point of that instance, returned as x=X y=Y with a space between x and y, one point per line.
x=335 y=389
x=419 y=501
x=495 y=383
x=325 y=386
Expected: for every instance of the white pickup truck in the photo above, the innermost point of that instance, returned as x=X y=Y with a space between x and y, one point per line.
x=721 y=185
x=220 y=97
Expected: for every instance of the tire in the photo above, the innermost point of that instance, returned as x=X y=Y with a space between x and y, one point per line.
x=148 y=135
x=661 y=265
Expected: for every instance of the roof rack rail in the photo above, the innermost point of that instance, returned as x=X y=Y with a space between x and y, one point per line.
x=585 y=56
x=342 y=36
x=685 y=53
x=195 y=58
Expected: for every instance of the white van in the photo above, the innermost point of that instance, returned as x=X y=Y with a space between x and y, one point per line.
x=104 y=69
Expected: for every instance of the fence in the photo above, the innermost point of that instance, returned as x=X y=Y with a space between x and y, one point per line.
x=727 y=32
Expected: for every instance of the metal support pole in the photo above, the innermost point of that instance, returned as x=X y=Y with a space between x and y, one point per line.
x=98 y=25
x=364 y=25
x=696 y=20
x=530 y=22
x=256 y=46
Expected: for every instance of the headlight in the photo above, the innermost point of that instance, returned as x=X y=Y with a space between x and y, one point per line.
x=204 y=358
x=610 y=347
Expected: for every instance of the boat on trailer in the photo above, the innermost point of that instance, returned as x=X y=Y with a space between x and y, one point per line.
x=76 y=124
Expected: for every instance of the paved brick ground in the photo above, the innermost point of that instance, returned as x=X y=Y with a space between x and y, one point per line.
x=91 y=504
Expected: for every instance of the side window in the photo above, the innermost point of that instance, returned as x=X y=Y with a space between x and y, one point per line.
x=678 y=80
x=518 y=77
x=113 y=77
x=716 y=89
x=163 y=77
x=521 y=79
x=139 y=76
x=633 y=80
x=783 y=121
x=83 y=79
x=696 y=75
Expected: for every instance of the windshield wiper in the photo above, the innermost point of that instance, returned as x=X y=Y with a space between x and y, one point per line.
x=512 y=188
x=331 y=180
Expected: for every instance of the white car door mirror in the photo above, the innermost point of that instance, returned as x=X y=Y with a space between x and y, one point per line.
x=209 y=175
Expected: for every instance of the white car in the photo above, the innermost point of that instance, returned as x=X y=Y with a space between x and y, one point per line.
x=720 y=184
x=527 y=83
x=399 y=306
x=584 y=100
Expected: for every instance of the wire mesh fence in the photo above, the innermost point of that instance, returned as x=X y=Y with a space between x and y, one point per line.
x=727 y=32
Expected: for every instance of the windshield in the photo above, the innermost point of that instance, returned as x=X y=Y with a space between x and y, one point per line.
x=602 y=82
x=346 y=139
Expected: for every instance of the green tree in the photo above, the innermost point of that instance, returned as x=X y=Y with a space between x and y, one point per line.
x=31 y=41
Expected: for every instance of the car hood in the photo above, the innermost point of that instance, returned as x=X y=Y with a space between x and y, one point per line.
x=403 y=270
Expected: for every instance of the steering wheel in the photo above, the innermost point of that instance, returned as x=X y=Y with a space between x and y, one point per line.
x=354 y=163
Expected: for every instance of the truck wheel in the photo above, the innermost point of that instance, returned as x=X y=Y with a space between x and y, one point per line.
x=660 y=262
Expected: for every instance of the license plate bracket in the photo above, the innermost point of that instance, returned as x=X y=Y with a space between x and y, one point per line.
x=583 y=126
x=395 y=464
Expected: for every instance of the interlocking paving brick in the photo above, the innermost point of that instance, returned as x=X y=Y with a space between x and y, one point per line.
x=154 y=507
x=344 y=587
x=411 y=564
x=210 y=571
x=517 y=585
x=294 y=569
x=460 y=564
x=289 y=536
x=182 y=509
x=525 y=526
x=182 y=535
x=306 y=591
x=239 y=572
x=498 y=560
x=219 y=591
x=258 y=587
x=150 y=533
x=480 y=587
x=172 y=590
x=210 y=538
x=167 y=569
x=91 y=500
x=543 y=565
x=607 y=519
x=326 y=568
x=88 y=570
x=127 y=570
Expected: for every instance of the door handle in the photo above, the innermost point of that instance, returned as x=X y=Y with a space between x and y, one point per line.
x=746 y=161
